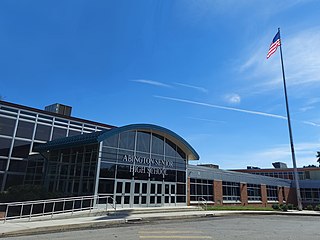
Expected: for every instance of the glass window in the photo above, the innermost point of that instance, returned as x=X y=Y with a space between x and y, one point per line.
x=254 y=192
x=7 y=126
x=231 y=191
x=181 y=199
x=127 y=187
x=143 y=142
x=1 y=177
x=5 y=145
x=123 y=172
x=181 y=189
x=25 y=129
x=127 y=140
x=272 y=193
x=180 y=164
x=170 y=148
x=157 y=144
x=181 y=176
x=8 y=109
x=43 y=132
x=170 y=176
x=111 y=141
x=59 y=133
x=17 y=166
x=181 y=153
x=144 y=187
x=106 y=186
x=21 y=149
x=13 y=179
x=28 y=113
x=109 y=154
x=73 y=133
x=107 y=170
x=3 y=164
x=141 y=174
x=48 y=118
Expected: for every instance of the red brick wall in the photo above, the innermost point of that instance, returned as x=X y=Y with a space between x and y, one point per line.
x=264 y=195
x=217 y=191
x=280 y=196
x=243 y=194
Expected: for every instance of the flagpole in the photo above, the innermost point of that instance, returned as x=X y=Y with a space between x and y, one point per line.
x=296 y=177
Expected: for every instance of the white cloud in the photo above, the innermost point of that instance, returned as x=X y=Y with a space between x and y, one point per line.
x=307 y=108
x=152 y=82
x=301 y=61
x=222 y=107
x=207 y=120
x=232 y=98
x=201 y=89
x=304 y=152
x=234 y=109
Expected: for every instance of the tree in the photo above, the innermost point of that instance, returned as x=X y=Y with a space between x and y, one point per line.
x=318 y=156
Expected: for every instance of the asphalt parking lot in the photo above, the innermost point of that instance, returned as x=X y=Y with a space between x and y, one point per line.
x=218 y=228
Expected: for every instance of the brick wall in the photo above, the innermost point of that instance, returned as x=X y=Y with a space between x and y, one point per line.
x=264 y=195
x=243 y=194
x=217 y=191
x=280 y=195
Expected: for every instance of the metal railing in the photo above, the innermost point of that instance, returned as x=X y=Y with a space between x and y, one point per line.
x=204 y=202
x=50 y=207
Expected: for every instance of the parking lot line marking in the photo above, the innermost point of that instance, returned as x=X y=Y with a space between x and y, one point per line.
x=167 y=232
x=175 y=237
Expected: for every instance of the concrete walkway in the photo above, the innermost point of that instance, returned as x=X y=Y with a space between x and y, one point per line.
x=100 y=220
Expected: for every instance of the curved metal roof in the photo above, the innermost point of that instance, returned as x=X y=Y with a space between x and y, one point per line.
x=97 y=137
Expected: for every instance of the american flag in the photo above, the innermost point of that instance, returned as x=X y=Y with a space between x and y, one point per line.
x=274 y=45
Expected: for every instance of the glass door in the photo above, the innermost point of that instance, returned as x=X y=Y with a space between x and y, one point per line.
x=169 y=194
x=123 y=193
x=140 y=194
x=155 y=195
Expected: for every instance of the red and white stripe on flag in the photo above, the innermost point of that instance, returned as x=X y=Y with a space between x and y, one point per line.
x=273 y=47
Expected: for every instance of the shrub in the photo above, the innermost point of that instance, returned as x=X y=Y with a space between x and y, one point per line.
x=284 y=207
x=309 y=207
x=275 y=206
x=290 y=206
x=317 y=208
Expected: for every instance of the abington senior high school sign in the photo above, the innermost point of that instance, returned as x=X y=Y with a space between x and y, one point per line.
x=154 y=166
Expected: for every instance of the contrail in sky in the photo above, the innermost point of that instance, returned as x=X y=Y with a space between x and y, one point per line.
x=231 y=109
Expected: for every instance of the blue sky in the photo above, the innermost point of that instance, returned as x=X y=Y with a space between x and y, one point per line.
x=198 y=68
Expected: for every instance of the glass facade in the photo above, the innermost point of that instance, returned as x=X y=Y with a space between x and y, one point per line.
x=254 y=192
x=282 y=174
x=201 y=190
x=310 y=195
x=272 y=193
x=231 y=191
x=72 y=171
x=22 y=128
x=140 y=168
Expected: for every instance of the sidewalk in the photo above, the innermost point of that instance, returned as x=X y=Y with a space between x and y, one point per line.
x=37 y=226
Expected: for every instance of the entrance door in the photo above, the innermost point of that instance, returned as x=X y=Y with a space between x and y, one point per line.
x=144 y=194
x=155 y=194
x=169 y=194
x=140 y=194
x=123 y=193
